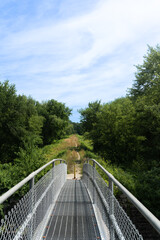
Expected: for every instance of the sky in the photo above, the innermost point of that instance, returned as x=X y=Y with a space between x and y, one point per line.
x=75 y=51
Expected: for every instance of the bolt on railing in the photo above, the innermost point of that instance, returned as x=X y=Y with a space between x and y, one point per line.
x=28 y=217
x=112 y=215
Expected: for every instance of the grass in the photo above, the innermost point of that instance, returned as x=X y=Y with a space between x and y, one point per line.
x=123 y=176
x=67 y=150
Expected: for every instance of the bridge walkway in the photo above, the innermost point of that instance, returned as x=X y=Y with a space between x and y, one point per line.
x=58 y=209
x=73 y=216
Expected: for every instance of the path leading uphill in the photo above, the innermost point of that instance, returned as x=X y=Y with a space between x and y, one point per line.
x=76 y=159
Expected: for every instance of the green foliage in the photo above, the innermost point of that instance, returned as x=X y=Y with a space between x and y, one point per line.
x=127 y=131
x=29 y=157
x=91 y=155
x=148 y=190
x=61 y=154
x=89 y=116
x=127 y=178
x=23 y=117
x=77 y=128
x=148 y=76
x=69 y=129
x=56 y=123
x=114 y=127
x=36 y=124
x=6 y=174
x=85 y=144
x=25 y=126
x=11 y=120
x=1 y=210
x=148 y=126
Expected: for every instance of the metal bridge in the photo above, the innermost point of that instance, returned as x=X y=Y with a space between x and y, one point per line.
x=58 y=209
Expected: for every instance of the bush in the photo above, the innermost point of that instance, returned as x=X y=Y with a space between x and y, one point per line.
x=148 y=190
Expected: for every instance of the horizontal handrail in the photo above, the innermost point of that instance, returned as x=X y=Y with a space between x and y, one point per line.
x=10 y=192
x=142 y=209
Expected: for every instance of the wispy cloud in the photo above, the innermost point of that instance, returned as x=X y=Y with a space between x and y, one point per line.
x=75 y=51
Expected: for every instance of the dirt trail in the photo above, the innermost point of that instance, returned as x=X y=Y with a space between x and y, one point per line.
x=73 y=143
x=78 y=173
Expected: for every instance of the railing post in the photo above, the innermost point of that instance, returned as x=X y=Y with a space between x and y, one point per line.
x=31 y=186
x=74 y=171
x=111 y=209
x=53 y=164
x=111 y=185
x=52 y=170
x=87 y=172
x=94 y=165
x=31 y=183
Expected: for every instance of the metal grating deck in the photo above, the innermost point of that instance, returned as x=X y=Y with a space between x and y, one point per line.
x=73 y=216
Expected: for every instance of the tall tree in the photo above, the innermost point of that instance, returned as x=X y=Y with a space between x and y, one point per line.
x=145 y=93
x=113 y=135
x=56 y=120
x=147 y=82
x=12 y=121
x=89 y=116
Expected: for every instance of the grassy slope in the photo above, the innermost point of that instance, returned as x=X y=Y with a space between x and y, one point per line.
x=64 y=149
x=67 y=149
x=126 y=178
x=133 y=179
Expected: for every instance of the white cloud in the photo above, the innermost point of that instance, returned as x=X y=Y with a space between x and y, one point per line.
x=82 y=57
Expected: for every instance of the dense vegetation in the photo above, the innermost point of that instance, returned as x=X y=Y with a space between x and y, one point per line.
x=126 y=132
x=25 y=127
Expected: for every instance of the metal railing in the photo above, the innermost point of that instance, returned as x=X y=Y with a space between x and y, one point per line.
x=113 y=221
x=29 y=216
x=28 y=219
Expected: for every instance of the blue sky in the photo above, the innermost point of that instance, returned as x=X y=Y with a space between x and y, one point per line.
x=75 y=51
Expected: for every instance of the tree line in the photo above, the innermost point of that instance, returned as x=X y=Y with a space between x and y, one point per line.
x=126 y=131
x=25 y=121
x=26 y=126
